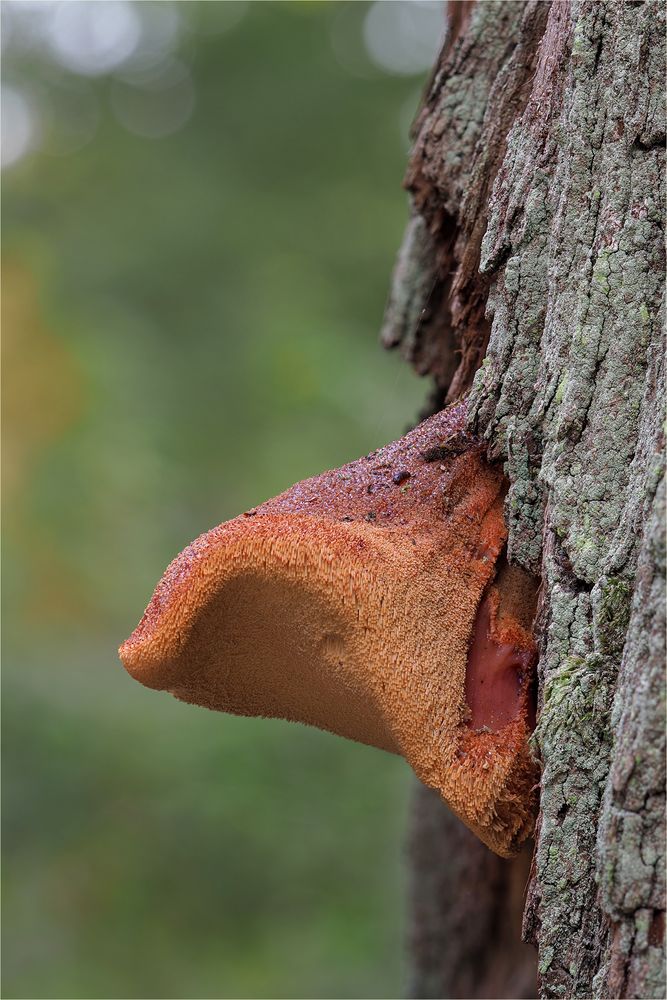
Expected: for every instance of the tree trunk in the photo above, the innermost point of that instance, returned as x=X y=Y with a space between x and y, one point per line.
x=531 y=276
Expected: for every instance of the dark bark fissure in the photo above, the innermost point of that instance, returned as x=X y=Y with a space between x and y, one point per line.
x=466 y=906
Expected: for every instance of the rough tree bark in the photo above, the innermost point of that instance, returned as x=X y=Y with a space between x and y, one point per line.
x=531 y=277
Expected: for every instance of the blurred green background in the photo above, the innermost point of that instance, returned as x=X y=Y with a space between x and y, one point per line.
x=202 y=205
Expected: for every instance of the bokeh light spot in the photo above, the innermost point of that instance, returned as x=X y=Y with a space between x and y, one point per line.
x=155 y=102
x=93 y=38
x=19 y=126
x=404 y=36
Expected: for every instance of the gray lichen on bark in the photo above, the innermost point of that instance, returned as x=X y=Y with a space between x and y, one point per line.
x=569 y=396
x=575 y=244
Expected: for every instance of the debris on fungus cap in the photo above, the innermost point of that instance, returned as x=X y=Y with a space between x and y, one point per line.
x=373 y=601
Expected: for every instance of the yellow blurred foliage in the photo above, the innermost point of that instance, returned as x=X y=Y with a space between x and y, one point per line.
x=43 y=395
x=42 y=385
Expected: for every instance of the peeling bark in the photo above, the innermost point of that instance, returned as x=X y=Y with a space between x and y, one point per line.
x=532 y=277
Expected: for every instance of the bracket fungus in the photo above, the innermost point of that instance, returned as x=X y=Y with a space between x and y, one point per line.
x=373 y=601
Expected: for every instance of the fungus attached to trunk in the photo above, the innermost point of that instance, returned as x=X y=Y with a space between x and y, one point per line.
x=372 y=601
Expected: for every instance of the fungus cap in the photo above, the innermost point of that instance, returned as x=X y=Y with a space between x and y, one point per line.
x=367 y=601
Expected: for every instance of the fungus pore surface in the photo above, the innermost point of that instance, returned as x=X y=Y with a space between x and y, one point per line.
x=372 y=601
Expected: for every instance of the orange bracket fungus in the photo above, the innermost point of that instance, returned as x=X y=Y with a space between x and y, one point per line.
x=373 y=601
